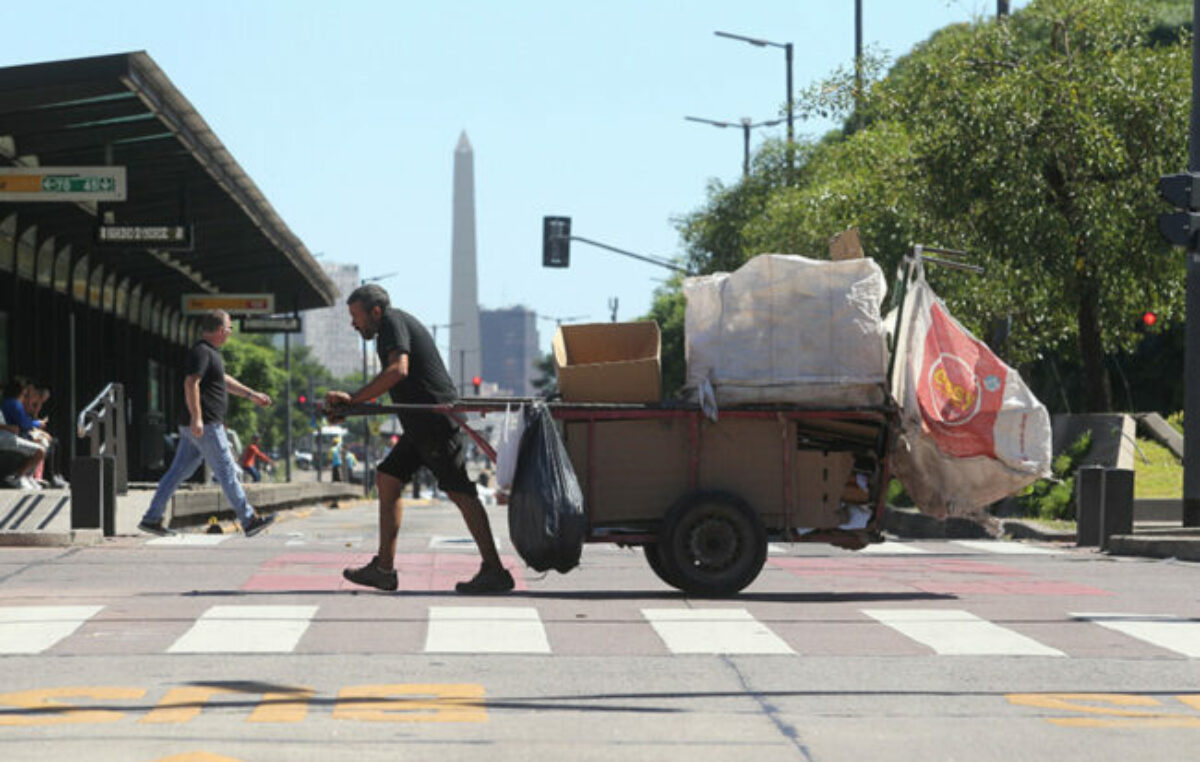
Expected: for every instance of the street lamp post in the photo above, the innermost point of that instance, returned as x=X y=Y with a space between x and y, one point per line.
x=746 y=126
x=366 y=421
x=787 y=49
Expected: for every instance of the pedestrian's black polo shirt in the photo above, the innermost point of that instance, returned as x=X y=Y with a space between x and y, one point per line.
x=205 y=361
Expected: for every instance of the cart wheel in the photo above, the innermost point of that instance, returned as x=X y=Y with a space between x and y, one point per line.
x=653 y=552
x=712 y=543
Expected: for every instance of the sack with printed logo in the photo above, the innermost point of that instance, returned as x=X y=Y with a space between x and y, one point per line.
x=972 y=432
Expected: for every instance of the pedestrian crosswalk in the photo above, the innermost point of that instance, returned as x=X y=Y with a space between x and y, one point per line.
x=678 y=630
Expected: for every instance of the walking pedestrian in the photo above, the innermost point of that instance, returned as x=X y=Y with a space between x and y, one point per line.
x=412 y=371
x=202 y=438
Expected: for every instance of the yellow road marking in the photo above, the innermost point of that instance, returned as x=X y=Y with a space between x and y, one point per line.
x=290 y=706
x=461 y=702
x=1111 y=707
x=61 y=713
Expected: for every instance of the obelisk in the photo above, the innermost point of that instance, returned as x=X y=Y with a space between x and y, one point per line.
x=465 y=355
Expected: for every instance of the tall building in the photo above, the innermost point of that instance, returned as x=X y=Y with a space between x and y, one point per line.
x=510 y=349
x=465 y=356
x=327 y=332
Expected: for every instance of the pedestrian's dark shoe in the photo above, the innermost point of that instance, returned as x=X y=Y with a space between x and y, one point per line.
x=156 y=527
x=258 y=523
x=58 y=482
x=488 y=580
x=372 y=576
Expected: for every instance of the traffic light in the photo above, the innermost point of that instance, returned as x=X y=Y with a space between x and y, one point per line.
x=1183 y=191
x=478 y=382
x=1146 y=321
x=302 y=400
x=556 y=241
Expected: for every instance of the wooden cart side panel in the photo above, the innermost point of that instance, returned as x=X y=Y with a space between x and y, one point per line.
x=640 y=467
x=819 y=480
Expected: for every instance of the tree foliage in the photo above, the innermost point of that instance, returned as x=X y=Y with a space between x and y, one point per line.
x=1033 y=142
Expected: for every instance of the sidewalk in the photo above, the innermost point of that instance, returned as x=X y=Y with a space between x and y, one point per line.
x=43 y=518
x=1152 y=536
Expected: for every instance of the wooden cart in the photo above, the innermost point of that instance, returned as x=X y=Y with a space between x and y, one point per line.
x=704 y=498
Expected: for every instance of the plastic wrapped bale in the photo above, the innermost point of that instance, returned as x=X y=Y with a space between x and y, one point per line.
x=787 y=329
x=546 y=522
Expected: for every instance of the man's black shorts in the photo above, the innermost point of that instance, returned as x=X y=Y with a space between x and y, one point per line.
x=440 y=449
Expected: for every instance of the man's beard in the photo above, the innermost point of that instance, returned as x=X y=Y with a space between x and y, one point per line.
x=369 y=330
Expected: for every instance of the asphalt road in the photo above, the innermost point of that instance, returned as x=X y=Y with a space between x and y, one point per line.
x=255 y=649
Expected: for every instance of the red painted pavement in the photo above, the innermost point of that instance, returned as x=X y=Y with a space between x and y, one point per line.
x=307 y=572
x=941 y=576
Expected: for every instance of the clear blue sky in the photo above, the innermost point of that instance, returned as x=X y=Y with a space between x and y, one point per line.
x=347 y=115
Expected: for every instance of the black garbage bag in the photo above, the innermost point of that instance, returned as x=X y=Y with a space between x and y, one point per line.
x=546 y=521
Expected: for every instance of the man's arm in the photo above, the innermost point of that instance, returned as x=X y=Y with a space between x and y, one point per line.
x=393 y=373
x=238 y=389
x=191 y=398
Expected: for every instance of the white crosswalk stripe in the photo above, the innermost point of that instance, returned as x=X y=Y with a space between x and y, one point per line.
x=246 y=629
x=33 y=629
x=189 y=540
x=714 y=631
x=1172 y=633
x=892 y=549
x=485 y=629
x=1005 y=547
x=954 y=632
x=489 y=629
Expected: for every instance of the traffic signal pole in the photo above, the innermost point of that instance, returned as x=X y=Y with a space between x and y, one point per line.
x=1191 y=380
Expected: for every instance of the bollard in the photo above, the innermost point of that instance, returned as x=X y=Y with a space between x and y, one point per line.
x=108 y=495
x=87 y=492
x=1116 y=511
x=1089 y=500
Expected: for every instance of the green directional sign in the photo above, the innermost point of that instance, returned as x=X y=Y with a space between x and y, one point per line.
x=62 y=184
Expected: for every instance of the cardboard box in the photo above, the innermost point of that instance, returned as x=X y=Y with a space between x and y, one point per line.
x=609 y=362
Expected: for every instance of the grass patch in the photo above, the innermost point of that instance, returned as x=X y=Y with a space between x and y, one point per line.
x=1162 y=477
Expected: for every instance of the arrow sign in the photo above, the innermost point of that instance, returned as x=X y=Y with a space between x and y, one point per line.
x=62 y=184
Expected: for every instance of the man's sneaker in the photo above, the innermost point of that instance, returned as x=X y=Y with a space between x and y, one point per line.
x=156 y=527
x=372 y=576
x=257 y=523
x=488 y=580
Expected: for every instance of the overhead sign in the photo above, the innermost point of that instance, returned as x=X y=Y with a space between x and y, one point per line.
x=234 y=304
x=173 y=237
x=272 y=324
x=62 y=183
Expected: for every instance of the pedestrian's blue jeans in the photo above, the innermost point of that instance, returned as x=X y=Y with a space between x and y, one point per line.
x=212 y=448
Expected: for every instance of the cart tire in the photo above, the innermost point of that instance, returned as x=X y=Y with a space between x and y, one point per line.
x=653 y=552
x=712 y=543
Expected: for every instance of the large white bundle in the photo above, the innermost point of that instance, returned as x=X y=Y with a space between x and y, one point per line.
x=788 y=329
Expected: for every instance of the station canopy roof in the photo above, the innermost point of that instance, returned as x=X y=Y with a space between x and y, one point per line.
x=122 y=110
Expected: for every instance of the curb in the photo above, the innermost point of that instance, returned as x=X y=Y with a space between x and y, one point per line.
x=1182 y=547
x=70 y=538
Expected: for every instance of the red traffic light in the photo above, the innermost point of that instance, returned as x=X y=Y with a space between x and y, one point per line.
x=302 y=399
x=477 y=380
x=1149 y=319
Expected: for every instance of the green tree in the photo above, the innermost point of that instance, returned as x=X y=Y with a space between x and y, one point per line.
x=1034 y=142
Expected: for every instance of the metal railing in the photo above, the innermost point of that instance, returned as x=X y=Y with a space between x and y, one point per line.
x=102 y=423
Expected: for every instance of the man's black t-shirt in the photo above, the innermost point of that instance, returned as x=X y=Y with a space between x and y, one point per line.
x=205 y=361
x=427 y=382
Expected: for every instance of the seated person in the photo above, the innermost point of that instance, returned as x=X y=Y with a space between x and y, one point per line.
x=35 y=401
x=20 y=456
